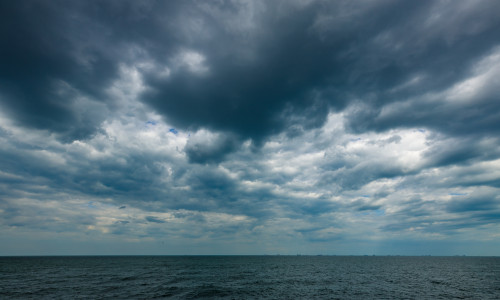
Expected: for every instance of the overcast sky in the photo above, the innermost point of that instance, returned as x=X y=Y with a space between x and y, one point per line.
x=250 y=127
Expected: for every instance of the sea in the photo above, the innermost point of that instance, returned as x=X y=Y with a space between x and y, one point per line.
x=249 y=277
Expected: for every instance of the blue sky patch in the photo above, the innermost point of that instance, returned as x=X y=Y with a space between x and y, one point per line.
x=173 y=130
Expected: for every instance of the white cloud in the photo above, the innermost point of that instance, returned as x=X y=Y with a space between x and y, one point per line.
x=193 y=61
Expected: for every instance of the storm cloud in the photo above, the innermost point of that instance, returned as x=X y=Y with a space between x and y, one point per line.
x=309 y=126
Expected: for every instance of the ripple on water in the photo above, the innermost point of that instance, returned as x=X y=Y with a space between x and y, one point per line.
x=250 y=277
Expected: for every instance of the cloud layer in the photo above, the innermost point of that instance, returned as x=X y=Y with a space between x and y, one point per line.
x=249 y=127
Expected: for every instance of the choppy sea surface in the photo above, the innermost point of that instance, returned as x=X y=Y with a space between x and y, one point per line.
x=249 y=277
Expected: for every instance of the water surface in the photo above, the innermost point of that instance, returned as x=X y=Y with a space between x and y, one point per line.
x=250 y=277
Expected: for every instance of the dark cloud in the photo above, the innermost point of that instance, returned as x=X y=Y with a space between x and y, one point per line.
x=354 y=177
x=251 y=69
x=461 y=151
x=476 y=203
x=154 y=220
x=285 y=121
x=314 y=208
x=478 y=117
x=52 y=76
x=210 y=149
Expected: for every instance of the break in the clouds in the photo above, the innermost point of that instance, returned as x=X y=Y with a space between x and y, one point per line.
x=249 y=127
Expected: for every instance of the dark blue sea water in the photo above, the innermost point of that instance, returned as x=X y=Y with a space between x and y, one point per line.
x=250 y=277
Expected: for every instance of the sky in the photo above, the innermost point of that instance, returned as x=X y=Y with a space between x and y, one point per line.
x=250 y=127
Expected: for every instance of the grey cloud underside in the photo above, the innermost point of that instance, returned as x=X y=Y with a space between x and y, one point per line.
x=46 y=67
x=320 y=121
x=282 y=67
x=301 y=68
